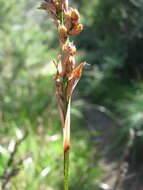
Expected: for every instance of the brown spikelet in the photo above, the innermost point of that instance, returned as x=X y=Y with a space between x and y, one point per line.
x=74 y=77
x=62 y=33
x=76 y=30
x=75 y=15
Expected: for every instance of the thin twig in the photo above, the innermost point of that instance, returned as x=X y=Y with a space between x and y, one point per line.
x=10 y=161
x=12 y=168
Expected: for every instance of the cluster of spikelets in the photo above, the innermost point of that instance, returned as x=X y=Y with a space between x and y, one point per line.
x=68 y=24
x=71 y=25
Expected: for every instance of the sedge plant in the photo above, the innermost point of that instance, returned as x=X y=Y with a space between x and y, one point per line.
x=67 y=20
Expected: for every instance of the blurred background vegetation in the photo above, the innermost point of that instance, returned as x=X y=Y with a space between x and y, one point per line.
x=112 y=84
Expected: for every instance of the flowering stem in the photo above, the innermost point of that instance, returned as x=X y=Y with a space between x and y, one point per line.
x=67 y=76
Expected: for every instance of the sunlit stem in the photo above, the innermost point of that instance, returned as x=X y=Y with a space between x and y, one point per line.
x=61 y=16
x=66 y=169
x=66 y=131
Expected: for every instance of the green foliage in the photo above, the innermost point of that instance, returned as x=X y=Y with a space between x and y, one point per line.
x=114 y=78
x=28 y=101
x=43 y=165
x=131 y=109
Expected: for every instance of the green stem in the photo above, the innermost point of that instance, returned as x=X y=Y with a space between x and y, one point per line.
x=61 y=16
x=66 y=151
x=66 y=169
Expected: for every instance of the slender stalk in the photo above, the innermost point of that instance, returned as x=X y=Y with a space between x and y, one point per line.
x=66 y=170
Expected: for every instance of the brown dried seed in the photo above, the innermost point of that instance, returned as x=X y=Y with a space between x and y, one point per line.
x=72 y=50
x=76 y=30
x=75 y=14
x=62 y=33
x=57 y=4
x=69 y=49
x=63 y=29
